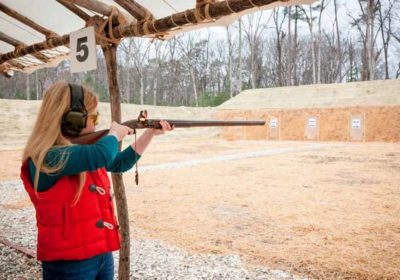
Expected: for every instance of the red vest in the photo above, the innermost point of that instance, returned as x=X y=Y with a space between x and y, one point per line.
x=74 y=232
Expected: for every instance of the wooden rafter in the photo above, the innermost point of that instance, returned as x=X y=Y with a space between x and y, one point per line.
x=11 y=41
x=215 y=10
x=16 y=43
x=135 y=9
x=93 y=5
x=48 y=44
x=99 y=7
x=10 y=12
x=73 y=8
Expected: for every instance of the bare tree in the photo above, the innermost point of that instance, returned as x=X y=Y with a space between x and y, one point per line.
x=253 y=31
x=290 y=47
x=126 y=48
x=160 y=56
x=295 y=43
x=137 y=53
x=230 y=54
x=322 y=7
x=188 y=45
x=309 y=18
x=385 y=22
x=28 y=87
x=338 y=52
x=280 y=35
x=240 y=56
x=369 y=10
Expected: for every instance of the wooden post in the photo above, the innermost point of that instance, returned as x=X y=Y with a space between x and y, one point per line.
x=110 y=54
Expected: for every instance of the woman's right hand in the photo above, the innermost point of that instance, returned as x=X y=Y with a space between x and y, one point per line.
x=119 y=131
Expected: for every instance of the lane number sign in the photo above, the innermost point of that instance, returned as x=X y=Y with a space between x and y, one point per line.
x=356 y=123
x=273 y=123
x=82 y=44
x=312 y=122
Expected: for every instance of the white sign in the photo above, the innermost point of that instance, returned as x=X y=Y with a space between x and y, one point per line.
x=82 y=44
x=356 y=123
x=312 y=122
x=273 y=123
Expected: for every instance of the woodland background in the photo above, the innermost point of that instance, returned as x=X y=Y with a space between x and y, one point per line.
x=332 y=41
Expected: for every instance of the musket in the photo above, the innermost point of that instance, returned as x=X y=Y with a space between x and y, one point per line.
x=142 y=122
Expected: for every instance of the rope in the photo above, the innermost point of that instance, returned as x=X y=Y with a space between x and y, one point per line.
x=136 y=29
x=49 y=40
x=186 y=17
x=197 y=14
x=101 y=24
x=207 y=12
x=19 y=49
x=51 y=35
x=154 y=26
x=121 y=20
x=205 y=5
x=229 y=7
x=252 y=3
x=146 y=30
x=176 y=11
x=172 y=19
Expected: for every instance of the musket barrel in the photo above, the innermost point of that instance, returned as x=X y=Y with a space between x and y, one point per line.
x=155 y=123
x=184 y=123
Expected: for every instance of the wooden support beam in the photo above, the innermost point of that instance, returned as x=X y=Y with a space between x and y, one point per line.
x=216 y=10
x=103 y=9
x=16 y=43
x=135 y=9
x=99 y=7
x=110 y=54
x=73 y=8
x=48 y=44
x=93 y=5
x=11 y=41
x=26 y=21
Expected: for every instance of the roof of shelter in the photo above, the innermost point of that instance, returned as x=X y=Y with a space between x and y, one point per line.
x=35 y=34
x=369 y=93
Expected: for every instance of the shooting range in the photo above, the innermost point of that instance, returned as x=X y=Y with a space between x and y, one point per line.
x=312 y=194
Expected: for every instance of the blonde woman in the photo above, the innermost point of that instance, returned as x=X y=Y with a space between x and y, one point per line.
x=69 y=186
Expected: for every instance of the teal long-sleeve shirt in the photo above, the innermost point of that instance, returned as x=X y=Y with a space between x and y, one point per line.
x=104 y=153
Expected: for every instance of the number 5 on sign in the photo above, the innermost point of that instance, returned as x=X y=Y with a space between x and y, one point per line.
x=82 y=44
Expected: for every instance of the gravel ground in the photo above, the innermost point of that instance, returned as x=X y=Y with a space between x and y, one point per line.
x=151 y=259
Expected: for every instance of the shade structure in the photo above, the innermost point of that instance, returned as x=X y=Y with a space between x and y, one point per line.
x=34 y=34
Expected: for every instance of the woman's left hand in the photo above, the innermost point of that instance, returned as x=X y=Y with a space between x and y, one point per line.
x=165 y=126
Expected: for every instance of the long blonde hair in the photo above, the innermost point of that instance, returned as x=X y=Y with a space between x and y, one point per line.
x=47 y=133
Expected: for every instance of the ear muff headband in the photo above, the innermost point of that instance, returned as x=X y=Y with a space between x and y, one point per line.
x=77 y=104
x=75 y=119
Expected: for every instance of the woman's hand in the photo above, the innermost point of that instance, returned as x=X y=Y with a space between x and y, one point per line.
x=119 y=131
x=165 y=126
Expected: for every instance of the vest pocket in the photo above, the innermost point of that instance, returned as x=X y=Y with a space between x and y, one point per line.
x=50 y=214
